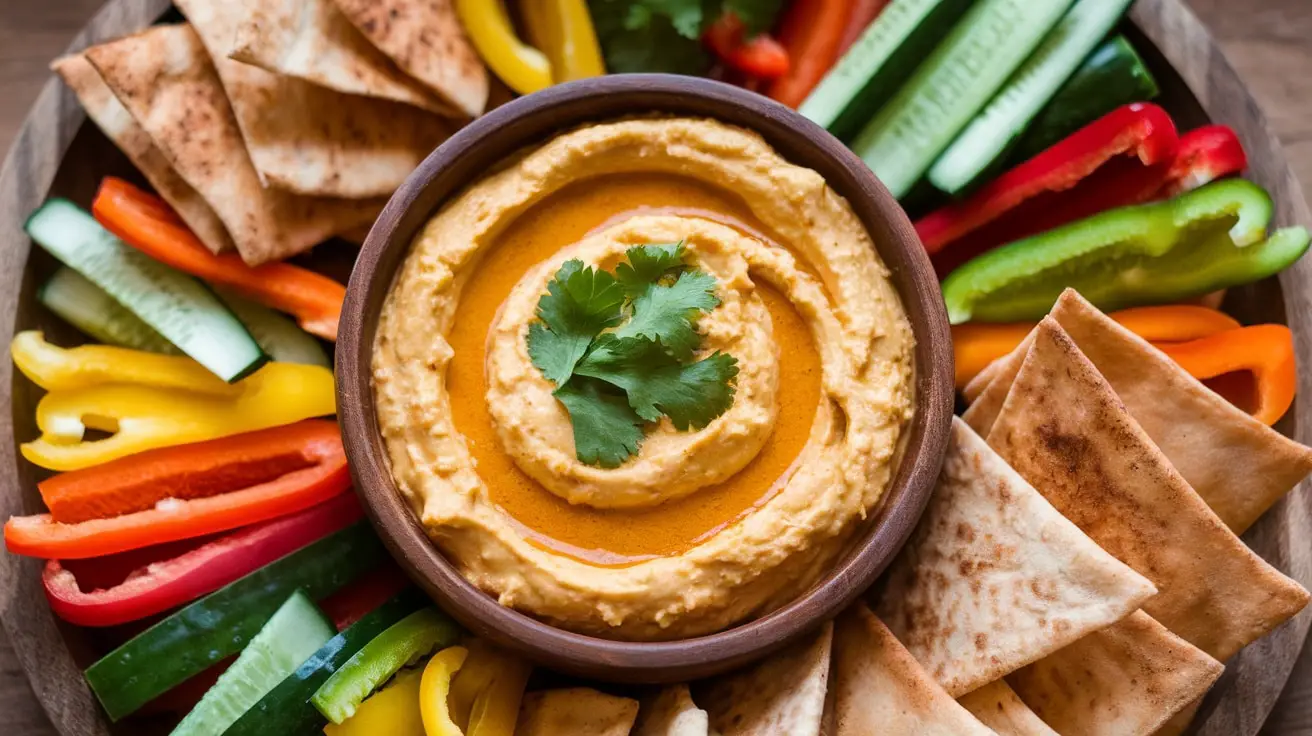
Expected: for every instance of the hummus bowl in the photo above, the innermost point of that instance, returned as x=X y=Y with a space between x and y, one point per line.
x=712 y=538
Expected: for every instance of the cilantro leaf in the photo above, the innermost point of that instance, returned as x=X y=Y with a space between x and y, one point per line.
x=690 y=394
x=580 y=302
x=606 y=430
x=651 y=35
x=646 y=265
x=666 y=313
x=757 y=15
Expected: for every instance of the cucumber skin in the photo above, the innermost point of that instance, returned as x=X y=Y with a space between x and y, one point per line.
x=1112 y=76
x=111 y=324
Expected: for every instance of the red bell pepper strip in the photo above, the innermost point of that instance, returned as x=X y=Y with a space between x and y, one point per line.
x=760 y=56
x=352 y=603
x=170 y=582
x=1205 y=155
x=810 y=32
x=1142 y=130
x=146 y=223
x=255 y=477
x=863 y=14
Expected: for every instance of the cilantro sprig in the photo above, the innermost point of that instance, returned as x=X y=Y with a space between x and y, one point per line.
x=620 y=349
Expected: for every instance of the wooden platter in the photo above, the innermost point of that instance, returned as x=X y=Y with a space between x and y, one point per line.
x=57 y=153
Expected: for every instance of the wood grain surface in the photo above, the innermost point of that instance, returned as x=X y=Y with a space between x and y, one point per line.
x=1265 y=40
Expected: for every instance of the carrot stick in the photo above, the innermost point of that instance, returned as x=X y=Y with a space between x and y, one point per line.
x=863 y=14
x=1265 y=352
x=810 y=32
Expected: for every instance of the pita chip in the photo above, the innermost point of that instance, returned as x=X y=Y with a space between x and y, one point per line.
x=425 y=39
x=1237 y=464
x=994 y=578
x=307 y=139
x=165 y=80
x=671 y=712
x=881 y=689
x=579 y=711
x=1127 y=680
x=313 y=41
x=997 y=706
x=117 y=124
x=783 y=694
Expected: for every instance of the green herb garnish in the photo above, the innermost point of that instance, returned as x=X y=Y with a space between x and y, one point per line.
x=619 y=348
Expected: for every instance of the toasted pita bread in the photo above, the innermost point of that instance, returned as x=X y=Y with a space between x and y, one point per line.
x=117 y=124
x=671 y=712
x=426 y=40
x=1237 y=464
x=994 y=578
x=880 y=688
x=783 y=694
x=997 y=706
x=579 y=711
x=313 y=41
x=1064 y=430
x=165 y=80
x=1127 y=680
x=304 y=138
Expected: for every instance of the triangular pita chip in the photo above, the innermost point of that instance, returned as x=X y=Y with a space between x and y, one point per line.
x=425 y=39
x=671 y=712
x=783 y=694
x=1237 y=464
x=117 y=124
x=579 y=711
x=1064 y=430
x=1127 y=680
x=997 y=706
x=308 y=139
x=165 y=80
x=881 y=689
x=313 y=41
x=994 y=578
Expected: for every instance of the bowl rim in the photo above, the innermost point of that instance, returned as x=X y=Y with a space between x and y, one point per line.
x=465 y=158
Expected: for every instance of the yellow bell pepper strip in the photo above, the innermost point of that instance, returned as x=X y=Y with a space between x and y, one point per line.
x=393 y=711
x=433 y=690
x=976 y=345
x=563 y=30
x=523 y=68
x=143 y=418
x=64 y=369
x=485 y=694
x=1252 y=367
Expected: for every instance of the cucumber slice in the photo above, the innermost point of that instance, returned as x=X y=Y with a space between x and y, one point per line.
x=295 y=631
x=178 y=306
x=1112 y=76
x=982 y=146
x=279 y=336
x=87 y=307
x=879 y=62
x=984 y=48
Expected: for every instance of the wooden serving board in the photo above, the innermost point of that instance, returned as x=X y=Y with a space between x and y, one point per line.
x=58 y=153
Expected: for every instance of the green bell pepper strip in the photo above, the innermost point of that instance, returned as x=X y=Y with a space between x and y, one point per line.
x=404 y=643
x=1208 y=239
x=286 y=710
x=220 y=624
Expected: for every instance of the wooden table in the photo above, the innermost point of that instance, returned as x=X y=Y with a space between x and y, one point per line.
x=1266 y=40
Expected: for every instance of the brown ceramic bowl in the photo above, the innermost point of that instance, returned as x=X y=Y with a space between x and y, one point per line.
x=469 y=155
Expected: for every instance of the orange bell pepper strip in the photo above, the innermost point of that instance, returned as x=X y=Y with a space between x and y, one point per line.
x=146 y=223
x=810 y=32
x=1252 y=367
x=183 y=492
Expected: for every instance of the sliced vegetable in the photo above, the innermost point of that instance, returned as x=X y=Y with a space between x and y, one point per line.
x=414 y=636
x=142 y=418
x=863 y=13
x=1206 y=154
x=1252 y=367
x=286 y=710
x=562 y=29
x=523 y=68
x=952 y=86
x=169 y=581
x=758 y=56
x=1111 y=77
x=435 y=687
x=394 y=711
x=294 y=632
x=147 y=224
x=68 y=369
x=884 y=57
x=174 y=304
x=221 y=623
x=361 y=597
x=810 y=32
x=486 y=692
x=1200 y=242
x=980 y=149
x=277 y=335
x=87 y=307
